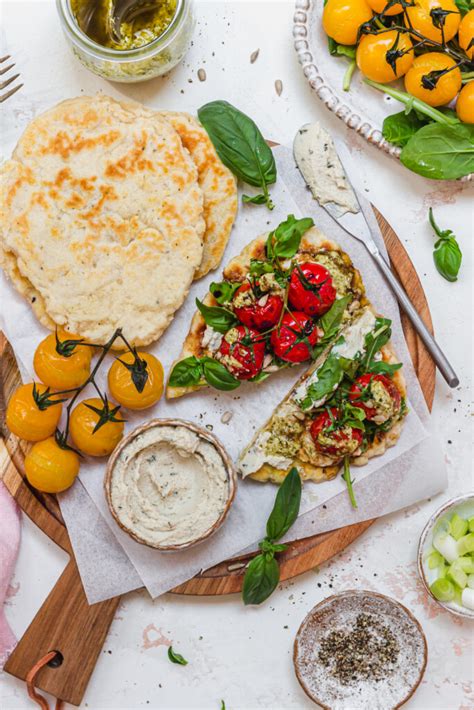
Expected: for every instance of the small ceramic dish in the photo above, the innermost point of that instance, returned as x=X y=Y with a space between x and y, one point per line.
x=464 y=506
x=338 y=613
x=161 y=475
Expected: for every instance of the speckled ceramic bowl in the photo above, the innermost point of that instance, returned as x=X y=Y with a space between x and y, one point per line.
x=464 y=505
x=337 y=612
x=204 y=434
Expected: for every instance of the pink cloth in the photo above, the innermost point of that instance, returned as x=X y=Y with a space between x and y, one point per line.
x=9 y=544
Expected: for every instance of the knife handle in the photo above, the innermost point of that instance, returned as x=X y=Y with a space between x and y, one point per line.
x=432 y=346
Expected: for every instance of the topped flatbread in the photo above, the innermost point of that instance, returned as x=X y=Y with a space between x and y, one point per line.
x=281 y=301
x=217 y=183
x=102 y=219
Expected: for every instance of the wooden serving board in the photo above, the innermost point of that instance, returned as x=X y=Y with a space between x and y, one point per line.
x=66 y=622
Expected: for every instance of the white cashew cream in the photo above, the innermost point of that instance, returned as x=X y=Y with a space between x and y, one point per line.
x=169 y=486
x=256 y=456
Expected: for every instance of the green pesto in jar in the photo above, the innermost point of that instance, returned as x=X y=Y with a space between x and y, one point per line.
x=94 y=19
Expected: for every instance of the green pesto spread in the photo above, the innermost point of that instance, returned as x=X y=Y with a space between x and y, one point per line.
x=341 y=273
x=94 y=19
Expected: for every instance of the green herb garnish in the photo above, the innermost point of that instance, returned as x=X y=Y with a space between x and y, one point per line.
x=447 y=254
x=194 y=371
x=176 y=657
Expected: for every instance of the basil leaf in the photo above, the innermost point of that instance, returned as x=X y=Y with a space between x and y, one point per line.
x=286 y=507
x=257 y=267
x=400 y=127
x=218 y=376
x=284 y=242
x=186 y=373
x=331 y=320
x=330 y=375
x=239 y=144
x=223 y=291
x=441 y=152
x=176 y=657
x=447 y=257
x=379 y=367
x=259 y=199
x=464 y=6
x=218 y=318
x=261 y=579
x=376 y=339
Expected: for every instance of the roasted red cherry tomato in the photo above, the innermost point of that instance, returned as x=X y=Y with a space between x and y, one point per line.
x=311 y=289
x=293 y=340
x=258 y=311
x=377 y=395
x=242 y=351
x=334 y=442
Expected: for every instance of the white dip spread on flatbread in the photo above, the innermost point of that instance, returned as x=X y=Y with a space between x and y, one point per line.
x=169 y=486
x=321 y=168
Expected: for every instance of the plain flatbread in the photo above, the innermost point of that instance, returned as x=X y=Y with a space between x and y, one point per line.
x=217 y=183
x=102 y=219
x=313 y=242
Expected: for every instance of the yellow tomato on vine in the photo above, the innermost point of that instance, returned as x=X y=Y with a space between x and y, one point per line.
x=96 y=427
x=385 y=57
x=136 y=382
x=466 y=34
x=435 y=19
x=32 y=412
x=50 y=468
x=61 y=362
x=465 y=103
x=427 y=80
x=380 y=6
x=342 y=19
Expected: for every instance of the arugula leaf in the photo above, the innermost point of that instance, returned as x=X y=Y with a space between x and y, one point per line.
x=284 y=242
x=286 y=507
x=400 y=127
x=447 y=254
x=441 y=152
x=223 y=291
x=176 y=657
x=258 y=267
x=379 y=367
x=375 y=340
x=217 y=317
x=186 y=373
x=261 y=579
x=218 y=376
x=331 y=320
x=240 y=145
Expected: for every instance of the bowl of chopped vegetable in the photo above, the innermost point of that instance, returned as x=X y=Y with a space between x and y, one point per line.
x=446 y=556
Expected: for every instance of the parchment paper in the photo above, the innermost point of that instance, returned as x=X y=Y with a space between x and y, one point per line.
x=409 y=471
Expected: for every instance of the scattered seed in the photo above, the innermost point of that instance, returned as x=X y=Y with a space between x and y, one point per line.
x=278 y=86
x=226 y=417
x=202 y=76
x=209 y=427
x=236 y=565
x=254 y=56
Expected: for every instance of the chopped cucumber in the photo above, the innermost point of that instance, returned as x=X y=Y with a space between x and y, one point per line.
x=459 y=526
x=457 y=575
x=443 y=590
x=465 y=544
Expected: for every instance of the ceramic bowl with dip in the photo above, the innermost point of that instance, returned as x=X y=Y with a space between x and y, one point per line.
x=170 y=484
x=445 y=557
x=149 y=45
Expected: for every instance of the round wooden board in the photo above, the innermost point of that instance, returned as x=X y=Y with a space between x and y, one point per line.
x=300 y=555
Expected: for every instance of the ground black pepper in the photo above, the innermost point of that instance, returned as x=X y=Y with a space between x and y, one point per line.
x=367 y=651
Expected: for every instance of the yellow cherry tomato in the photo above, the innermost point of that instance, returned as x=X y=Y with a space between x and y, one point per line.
x=374 y=51
x=83 y=422
x=124 y=390
x=466 y=34
x=60 y=365
x=49 y=468
x=465 y=103
x=446 y=87
x=342 y=19
x=427 y=16
x=30 y=414
x=379 y=6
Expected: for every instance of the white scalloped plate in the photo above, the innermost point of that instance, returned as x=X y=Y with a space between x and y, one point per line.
x=362 y=108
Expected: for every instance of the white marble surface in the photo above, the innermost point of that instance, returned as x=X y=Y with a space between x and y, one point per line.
x=244 y=655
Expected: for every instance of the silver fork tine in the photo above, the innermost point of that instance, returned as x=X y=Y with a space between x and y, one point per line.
x=7 y=82
x=6 y=96
x=4 y=71
x=4 y=59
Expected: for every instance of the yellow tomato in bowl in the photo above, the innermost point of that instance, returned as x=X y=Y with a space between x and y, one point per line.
x=465 y=103
x=375 y=51
x=380 y=6
x=466 y=34
x=423 y=72
x=342 y=19
x=435 y=19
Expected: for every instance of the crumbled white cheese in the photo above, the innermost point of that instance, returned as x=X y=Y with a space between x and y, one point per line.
x=211 y=339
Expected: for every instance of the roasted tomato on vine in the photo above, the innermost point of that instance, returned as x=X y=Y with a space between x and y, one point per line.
x=293 y=340
x=136 y=380
x=96 y=427
x=49 y=467
x=256 y=309
x=311 y=289
x=61 y=362
x=242 y=351
x=33 y=413
x=332 y=437
x=377 y=395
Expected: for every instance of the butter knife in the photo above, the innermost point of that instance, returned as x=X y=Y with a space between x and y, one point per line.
x=349 y=215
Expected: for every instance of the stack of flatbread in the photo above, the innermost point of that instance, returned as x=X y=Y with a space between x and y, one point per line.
x=109 y=210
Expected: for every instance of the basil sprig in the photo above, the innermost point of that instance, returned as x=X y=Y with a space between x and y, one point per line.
x=193 y=371
x=447 y=255
x=263 y=573
x=218 y=318
x=241 y=147
x=284 y=242
x=223 y=291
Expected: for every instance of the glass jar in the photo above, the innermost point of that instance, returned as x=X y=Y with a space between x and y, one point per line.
x=131 y=65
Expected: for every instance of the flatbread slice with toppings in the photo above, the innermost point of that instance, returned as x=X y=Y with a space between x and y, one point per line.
x=349 y=405
x=281 y=301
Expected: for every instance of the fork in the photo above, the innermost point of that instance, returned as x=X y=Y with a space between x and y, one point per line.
x=6 y=82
